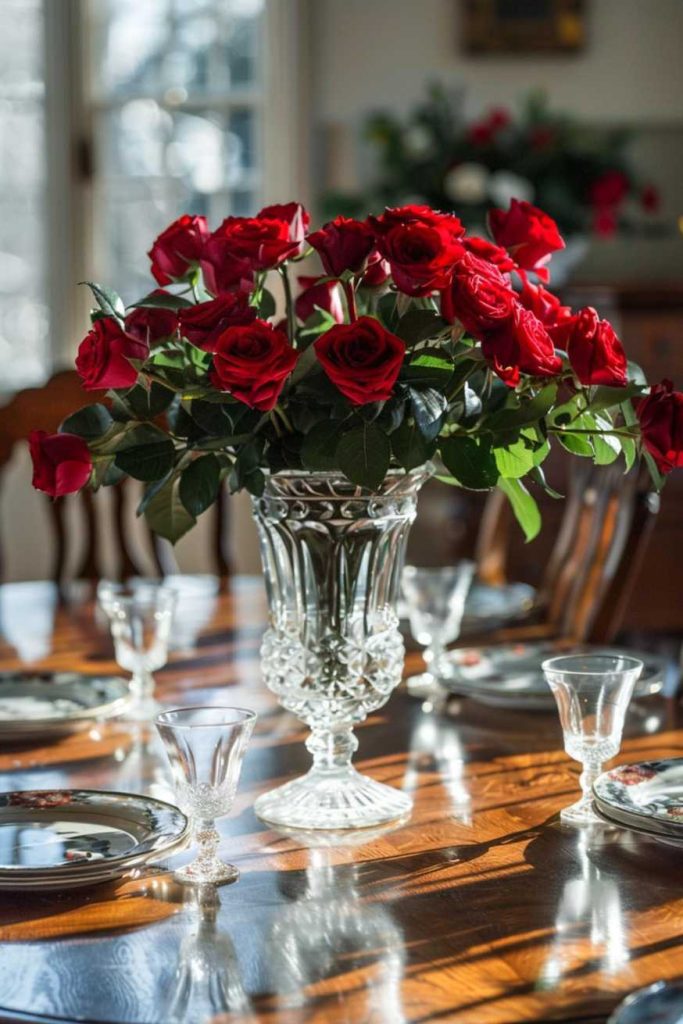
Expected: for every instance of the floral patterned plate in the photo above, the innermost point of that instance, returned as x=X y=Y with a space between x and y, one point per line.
x=648 y=794
x=58 y=838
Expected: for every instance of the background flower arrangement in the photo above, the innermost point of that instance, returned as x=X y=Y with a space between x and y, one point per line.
x=418 y=342
x=578 y=174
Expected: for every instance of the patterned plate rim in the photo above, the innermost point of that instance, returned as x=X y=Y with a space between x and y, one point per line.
x=614 y=796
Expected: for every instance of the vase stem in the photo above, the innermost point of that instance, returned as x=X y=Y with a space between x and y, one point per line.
x=331 y=750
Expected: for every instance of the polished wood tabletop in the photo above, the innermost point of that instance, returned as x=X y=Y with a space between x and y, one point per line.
x=481 y=908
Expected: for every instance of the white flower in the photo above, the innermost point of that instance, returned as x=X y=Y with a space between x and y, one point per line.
x=418 y=140
x=505 y=186
x=467 y=183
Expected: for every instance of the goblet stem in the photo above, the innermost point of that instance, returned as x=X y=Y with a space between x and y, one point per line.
x=432 y=656
x=207 y=867
x=332 y=750
x=142 y=685
x=582 y=813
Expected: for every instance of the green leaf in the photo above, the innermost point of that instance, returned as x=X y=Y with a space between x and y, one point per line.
x=267 y=305
x=428 y=408
x=525 y=413
x=577 y=444
x=658 y=479
x=364 y=455
x=148 y=461
x=419 y=325
x=166 y=515
x=107 y=299
x=471 y=461
x=153 y=490
x=409 y=446
x=523 y=505
x=199 y=484
x=319 y=449
x=538 y=476
x=90 y=422
x=628 y=447
x=609 y=398
x=430 y=369
x=147 y=403
x=514 y=461
x=162 y=301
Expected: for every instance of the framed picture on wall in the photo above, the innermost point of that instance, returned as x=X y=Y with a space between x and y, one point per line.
x=523 y=26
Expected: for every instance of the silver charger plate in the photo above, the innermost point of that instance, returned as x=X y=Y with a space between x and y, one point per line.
x=510 y=675
x=646 y=832
x=64 y=838
x=34 y=705
x=647 y=795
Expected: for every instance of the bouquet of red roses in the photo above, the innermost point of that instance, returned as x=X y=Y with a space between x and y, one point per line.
x=417 y=343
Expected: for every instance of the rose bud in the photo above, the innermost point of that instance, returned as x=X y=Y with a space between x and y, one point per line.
x=252 y=363
x=528 y=234
x=104 y=355
x=421 y=246
x=178 y=248
x=319 y=294
x=62 y=463
x=661 y=425
x=151 y=323
x=377 y=272
x=203 y=324
x=343 y=244
x=362 y=359
x=521 y=345
x=594 y=350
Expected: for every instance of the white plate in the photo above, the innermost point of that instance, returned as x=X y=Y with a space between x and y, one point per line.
x=53 y=838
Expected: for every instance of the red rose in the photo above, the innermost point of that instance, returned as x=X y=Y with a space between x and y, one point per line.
x=377 y=273
x=362 y=359
x=479 y=296
x=151 y=323
x=594 y=350
x=295 y=216
x=252 y=363
x=343 y=244
x=488 y=251
x=661 y=425
x=528 y=234
x=421 y=247
x=609 y=189
x=178 y=248
x=62 y=463
x=260 y=243
x=521 y=345
x=204 y=323
x=480 y=133
x=546 y=306
x=223 y=271
x=104 y=355
x=321 y=294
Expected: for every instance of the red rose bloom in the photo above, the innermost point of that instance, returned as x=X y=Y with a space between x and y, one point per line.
x=262 y=242
x=62 y=463
x=528 y=234
x=178 y=248
x=609 y=189
x=488 y=251
x=151 y=323
x=521 y=345
x=319 y=294
x=377 y=273
x=661 y=425
x=546 y=306
x=361 y=359
x=479 y=296
x=295 y=216
x=421 y=247
x=204 y=323
x=594 y=350
x=252 y=363
x=104 y=355
x=343 y=244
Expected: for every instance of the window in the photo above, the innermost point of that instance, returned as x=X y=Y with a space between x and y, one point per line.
x=24 y=318
x=176 y=92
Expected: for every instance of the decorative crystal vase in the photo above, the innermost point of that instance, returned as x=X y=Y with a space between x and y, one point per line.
x=332 y=558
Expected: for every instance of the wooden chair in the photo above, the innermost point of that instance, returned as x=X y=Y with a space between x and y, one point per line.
x=44 y=408
x=606 y=525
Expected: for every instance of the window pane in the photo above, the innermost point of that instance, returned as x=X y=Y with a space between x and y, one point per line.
x=24 y=352
x=176 y=100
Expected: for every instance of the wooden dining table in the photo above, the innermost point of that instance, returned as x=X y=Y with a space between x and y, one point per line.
x=481 y=908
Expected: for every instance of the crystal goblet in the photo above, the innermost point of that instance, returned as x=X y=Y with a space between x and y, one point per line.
x=141 y=627
x=592 y=693
x=206 y=746
x=436 y=604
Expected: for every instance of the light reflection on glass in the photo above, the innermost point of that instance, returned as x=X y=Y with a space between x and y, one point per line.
x=589 y=910
x=435 y=747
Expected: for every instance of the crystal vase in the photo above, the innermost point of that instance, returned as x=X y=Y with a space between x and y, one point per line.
x=332 y=558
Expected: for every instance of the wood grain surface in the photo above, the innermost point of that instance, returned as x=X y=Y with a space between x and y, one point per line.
x=481 y=908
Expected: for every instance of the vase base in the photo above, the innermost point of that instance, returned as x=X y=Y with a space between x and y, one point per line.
x=333 y=800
